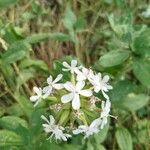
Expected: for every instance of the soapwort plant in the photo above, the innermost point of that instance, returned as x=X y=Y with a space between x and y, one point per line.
x=76 y=108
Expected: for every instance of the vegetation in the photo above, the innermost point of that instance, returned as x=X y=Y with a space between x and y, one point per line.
x=111 y=36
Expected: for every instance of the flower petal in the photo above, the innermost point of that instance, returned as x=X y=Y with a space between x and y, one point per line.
x=65 y=64
x=80 y=85
x=76 y=102
x=106 y=78
x=108 y=104
x=52 y=120
x=49 y=79
x=58 y=78
x=69 y=86
x=99 y=76
x=36 y=90
x=73 y=63
x=96 y=123
x=105 y=95
x=104 y=121
x=64 y=69
x=67 y=98
x=34 y=98
x=96 y=89
x=47 y=90
x=86 y=93
x=81 y=76
x=58 y=86
x=45 y=119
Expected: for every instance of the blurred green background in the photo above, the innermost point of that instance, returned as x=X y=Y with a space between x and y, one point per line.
x=111 y=36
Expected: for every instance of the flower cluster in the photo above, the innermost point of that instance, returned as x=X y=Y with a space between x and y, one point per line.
x=75 y=103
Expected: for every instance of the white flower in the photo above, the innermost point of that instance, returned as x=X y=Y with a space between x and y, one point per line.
x=37 y=98
x=100 y=84
x=105 y=112
x=55 y=130
x=85 y=74
x=72 y=68
x=146 y=13
x=52 y=84
x=88 y=130
x=75 y=91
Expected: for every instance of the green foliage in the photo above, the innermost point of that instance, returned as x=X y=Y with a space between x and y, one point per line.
x=113 y=58
x=124 y=139
x=8 y=138
x=6 y=3
x=141 y=69
x=111 y=36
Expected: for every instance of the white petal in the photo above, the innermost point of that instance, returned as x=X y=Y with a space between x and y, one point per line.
x=103 y=105
x=80 y=85
x=65 y=64
x=58 y=86
x=47 y=90
x=106 y=78
x=36 y=90
x=58 y=78
x=52 y=120
x=34 y=98
x=63 y=137
x=68 y=135
x=80 y=76
x=49 y=79
x=67 y=98
x=76 y=102
x=77 y=131
x=109 y=87
x=104 y=121
x=99 y=75
x=69 y=86
x=73 y=63
x=105 y=95
x=86 y=93
x=96 y=89
x=96 y=123
x=45 y=119
x=108 y=104
x=64 y=69
x=85 y=71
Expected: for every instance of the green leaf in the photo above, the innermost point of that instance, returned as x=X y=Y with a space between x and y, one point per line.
x=141 y=129
x=141 y=44
x=8 y=138
x=39 y=64
x=35 y=38
x=6 y=3
x=69 y=19
x=2 y=111
x=24 y=76
x=134 y=102
x=36 y=121
x=80 y=23
x=121 y=89
x=124 y=139
x=141 y=69
x=12 y=122
x=15 y=110
x=24 y=103
x=99 y=147
x=101 y=136
x=113 y=58
x=90 y=146
x=15 y=52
